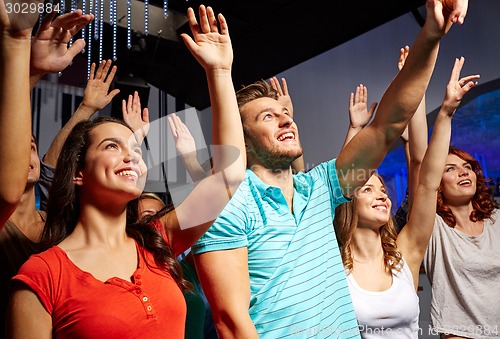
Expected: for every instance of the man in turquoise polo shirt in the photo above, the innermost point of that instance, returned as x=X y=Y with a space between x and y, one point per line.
x=270 y=265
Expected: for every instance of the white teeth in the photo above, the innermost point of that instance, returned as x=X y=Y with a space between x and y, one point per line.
x=127 y=173
x=381 y=208
x=288 y=135
x=465 y=182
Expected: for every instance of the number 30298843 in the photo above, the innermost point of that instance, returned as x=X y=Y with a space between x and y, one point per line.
x=30 y=8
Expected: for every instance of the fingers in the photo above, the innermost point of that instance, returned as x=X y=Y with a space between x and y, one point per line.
x=276 y=85
x=111 y=74
x=193 y=24
x=100 y=70
x=145 y=115
x=403 y=54
x=137 y=103
x=67 y=21
x=458 y=9
x=223 y=25
x=457 y=68
x=204 y=23
x=75 y=48
x=112 y=94
x=212 y=20
x=124 y=108
x=46 y=22
x=172 y=126
x=351 y=101
x=82 y=22
x=189 y=42
x=92 y=70
x=285 y=86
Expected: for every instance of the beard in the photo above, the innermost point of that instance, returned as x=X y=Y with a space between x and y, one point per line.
x=275 y=158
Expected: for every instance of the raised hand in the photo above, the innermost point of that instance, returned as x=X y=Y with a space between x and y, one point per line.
x=209 y=45
x=184 y=141
x=359 y=115
x=457 y=87
x=132 y=115
x=283 y=95
x=96 y=95
x=49 y=49
x=457 y=9
x=440 y=17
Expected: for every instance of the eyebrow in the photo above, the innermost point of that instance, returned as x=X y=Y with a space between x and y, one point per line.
x=464 y=163
x=118 y=141
x=270 y=110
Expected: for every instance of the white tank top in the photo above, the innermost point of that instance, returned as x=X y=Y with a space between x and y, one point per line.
x=390 y=313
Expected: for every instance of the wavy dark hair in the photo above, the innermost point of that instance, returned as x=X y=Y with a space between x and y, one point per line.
x=482 y=202
x=346 y=221
x=63 y=210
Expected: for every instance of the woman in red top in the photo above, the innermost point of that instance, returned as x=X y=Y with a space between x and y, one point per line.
x=104 y=276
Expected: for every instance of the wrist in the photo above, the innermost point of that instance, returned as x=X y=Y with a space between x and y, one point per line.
x=86 y=109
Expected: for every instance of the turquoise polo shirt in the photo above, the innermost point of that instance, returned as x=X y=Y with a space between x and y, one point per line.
x=297 y=280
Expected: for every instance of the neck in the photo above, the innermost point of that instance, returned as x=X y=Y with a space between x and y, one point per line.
x=462 y=213
x=99 y=226
x=367 y=246
x=282 y=178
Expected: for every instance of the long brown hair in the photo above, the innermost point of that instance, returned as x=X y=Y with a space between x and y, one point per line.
x=63 y=209
x=346 y=221
x=482 y=202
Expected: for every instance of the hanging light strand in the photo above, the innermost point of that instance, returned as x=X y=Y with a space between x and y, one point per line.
x=101 y=29
x=112 y=21
x=89 y=42
x=129 y=24
x=146 y=17
x=165 y=8
x=97 y=20
x=84 y=29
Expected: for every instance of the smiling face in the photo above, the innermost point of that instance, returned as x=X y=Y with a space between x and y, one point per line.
x=34 y=171
x=373 y=206
x=271 y=135
x=459 y=180
x=113 y=169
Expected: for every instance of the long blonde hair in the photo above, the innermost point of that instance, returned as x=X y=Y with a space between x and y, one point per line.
x=346 y=221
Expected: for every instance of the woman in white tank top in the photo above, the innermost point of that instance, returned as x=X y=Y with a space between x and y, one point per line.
x=382 y=266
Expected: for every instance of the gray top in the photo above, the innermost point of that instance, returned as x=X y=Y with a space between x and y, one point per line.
x=464 y=272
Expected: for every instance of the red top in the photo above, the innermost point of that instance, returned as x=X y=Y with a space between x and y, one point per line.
x=151 y=306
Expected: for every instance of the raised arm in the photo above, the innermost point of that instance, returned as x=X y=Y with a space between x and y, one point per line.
x=211 y=46
x=28 y=319
x=416 y=138
x=15 y=110
x=414 y=238
x=359 y=114
x=367 y=149
x=95 y=98
x=186 y=147
x=49 y=50
x=285 y=99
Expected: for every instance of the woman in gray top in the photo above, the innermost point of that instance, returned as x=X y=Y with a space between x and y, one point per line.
x=463 y=257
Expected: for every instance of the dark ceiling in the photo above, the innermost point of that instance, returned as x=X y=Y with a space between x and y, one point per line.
x=268 y=37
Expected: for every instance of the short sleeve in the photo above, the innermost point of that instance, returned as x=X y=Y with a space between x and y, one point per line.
x=36 y=275
x=327 y=172
x=229 y=230
x=46 y=178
